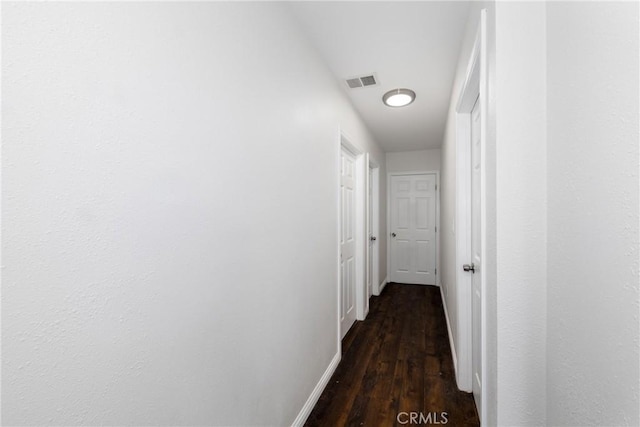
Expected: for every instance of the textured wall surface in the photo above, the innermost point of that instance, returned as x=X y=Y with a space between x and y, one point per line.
x=593 y=292
x=521 y=206
x=157 y=204
x=410 y=161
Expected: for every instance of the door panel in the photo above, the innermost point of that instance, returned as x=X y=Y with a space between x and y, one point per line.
x=403 y=256
x=347 y=242
x=370 y=237
x=403 y=213
x=413 y=219
x=476 y=284
x=422 y=258
x=422 y=213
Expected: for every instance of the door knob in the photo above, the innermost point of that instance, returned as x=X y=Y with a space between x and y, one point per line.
x=469 y=267
x=393 y=234
x=374 y=238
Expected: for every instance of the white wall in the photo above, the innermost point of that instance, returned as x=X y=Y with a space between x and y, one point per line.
x=411 y=161
x=169 y=257
x=593 y=298
x=521 y=184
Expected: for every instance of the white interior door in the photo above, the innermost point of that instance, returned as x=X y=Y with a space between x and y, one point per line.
x=371 y=238
x=347 y=241
x=476 y=256
x=413 y=229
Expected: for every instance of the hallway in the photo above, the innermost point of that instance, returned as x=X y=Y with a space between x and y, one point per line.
x=397 y=361
x=198 y=199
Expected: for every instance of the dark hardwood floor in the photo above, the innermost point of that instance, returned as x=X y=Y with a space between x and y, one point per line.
x=397 y=361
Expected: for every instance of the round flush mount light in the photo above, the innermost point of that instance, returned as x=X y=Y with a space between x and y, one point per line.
x=399 y=97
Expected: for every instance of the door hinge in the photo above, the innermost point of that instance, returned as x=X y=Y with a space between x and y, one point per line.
x=436 y=229
x=436 y=273
x=436 y=186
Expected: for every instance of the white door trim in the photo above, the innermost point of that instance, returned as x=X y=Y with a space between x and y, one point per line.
x=475 y=87
x=375 y=221
x=437 y=236
x=362 y=303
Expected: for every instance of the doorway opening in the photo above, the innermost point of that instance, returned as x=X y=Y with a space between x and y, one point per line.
x=471 y=225
x=413 y=216
x=373 y=224
x=353 y=303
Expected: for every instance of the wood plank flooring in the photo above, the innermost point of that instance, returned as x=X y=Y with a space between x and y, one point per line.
x=397 y=361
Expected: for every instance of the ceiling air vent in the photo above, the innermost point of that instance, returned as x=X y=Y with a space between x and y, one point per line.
x=363 y=81
x=354 y=83
x=368 y=80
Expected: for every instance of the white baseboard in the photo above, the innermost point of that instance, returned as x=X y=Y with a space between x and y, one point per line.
x=317 y=391
x=451 y=342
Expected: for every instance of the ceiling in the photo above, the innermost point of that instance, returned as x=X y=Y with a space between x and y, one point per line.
x=412 y=45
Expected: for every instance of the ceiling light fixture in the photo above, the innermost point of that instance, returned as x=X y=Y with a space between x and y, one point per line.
x=399 y=97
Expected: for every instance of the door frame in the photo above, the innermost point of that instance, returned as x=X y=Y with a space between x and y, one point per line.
x=374 y=214
x=475 y=87
x=437 y=235
x=362 y=303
